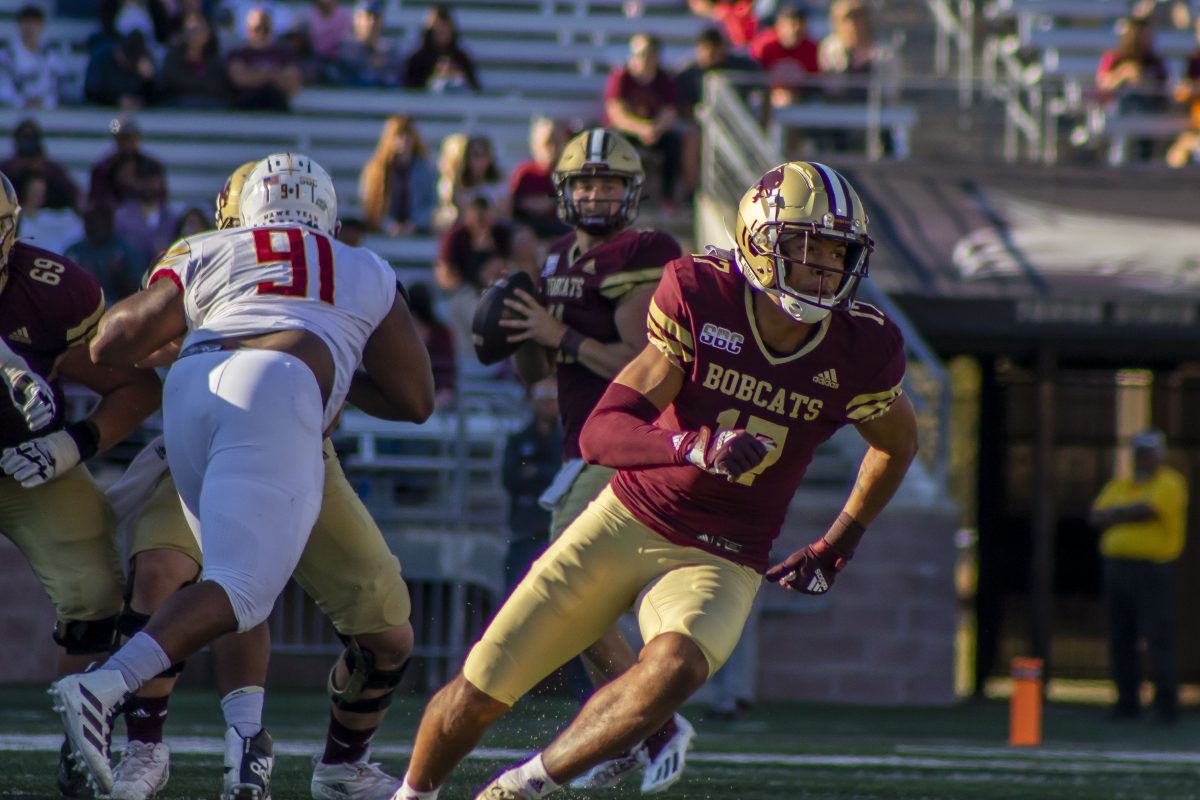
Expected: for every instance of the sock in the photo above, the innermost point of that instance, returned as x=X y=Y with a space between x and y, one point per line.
x=345 y=745
x=658 y=740
x=139 y=660
x=145 y=718
x=529 y=778
x=408 y=793
x=243 y=709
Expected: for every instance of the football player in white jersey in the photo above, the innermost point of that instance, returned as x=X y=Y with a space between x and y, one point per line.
x=277 y=315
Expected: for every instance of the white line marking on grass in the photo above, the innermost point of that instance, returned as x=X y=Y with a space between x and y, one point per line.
x=953 y=758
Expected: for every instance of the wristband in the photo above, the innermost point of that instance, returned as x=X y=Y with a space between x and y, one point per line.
x=86 y=436
x=844 y=535
x=571 y=341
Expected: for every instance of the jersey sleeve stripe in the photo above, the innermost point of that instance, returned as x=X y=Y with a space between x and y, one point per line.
x=670 y=326
x=672 y=350
x=159 y=274
x=869 y=406
x=622 y=282
x=86 y=328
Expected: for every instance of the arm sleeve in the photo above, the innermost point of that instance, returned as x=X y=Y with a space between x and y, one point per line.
x=621 y=433
x=668 y=323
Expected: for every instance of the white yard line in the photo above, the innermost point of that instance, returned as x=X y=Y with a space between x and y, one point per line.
x=908 y=757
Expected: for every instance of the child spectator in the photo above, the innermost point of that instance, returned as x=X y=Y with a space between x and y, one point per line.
x=30 y=69
x=788 y=54
x=29 y=158
x=398 y=186
x=193 y=74
x=531 y=187
x=440 y=62
x=264 y=73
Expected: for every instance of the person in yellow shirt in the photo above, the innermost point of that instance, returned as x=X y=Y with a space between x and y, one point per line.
x=1143 y=522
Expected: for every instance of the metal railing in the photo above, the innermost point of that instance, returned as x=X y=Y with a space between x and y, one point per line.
x=955 y=34
x=734 y=154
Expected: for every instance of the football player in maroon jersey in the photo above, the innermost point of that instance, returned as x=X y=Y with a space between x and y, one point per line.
x=49 y=505
x=756 y=356
x=590 y=322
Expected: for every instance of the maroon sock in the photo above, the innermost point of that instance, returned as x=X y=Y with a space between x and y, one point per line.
x=345 y=745
x=658 y=740
x=145 y=718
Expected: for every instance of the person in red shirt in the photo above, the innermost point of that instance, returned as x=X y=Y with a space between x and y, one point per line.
x=735 y=16
x=531 y=186
x=787 y=53
x=641 y=101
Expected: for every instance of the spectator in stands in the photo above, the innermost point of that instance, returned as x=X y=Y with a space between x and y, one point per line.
x=1132 y=76
x=439 y=341
x=440 y=62
x=329 y=26
x=737 y=17
x=788 y=54
x=145 y=220
x=398 y=186
x=1143 y=517
x=110 y=259
x=29 y=158
x=119 y=18
x=191 y=222
x=532 y=457
x=476 y=238
x=480 y=176
x=193 y=73
x=106 y=187
x=526 y=253
x=850 y=46
x=29 y=68
x=1187 y=147
x=122 y=75
x=449 y=165
x=368 y=59
x=264 y=74
x=49 y=228
x=182 y=9
x=711 y=54
x=530 y=186
x=641 y=101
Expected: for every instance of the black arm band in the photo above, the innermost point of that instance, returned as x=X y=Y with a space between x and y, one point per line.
x=86 y=437
x=571 y=341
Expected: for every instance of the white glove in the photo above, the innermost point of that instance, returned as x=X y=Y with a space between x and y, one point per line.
x=30 y=392
x=40 y=460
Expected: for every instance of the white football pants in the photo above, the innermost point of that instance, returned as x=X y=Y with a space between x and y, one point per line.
x=243 y=434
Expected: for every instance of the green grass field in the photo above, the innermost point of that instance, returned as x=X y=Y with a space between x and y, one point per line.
x=780 y=752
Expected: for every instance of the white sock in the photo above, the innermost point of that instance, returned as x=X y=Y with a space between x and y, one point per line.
x=529 y=778
x=406 y=792
x=243 y=710
x=138 y=660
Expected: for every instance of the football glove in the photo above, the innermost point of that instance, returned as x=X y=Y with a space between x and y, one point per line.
x=40 y=460
x=30 y=393
x=730 y=453
x=810 y=570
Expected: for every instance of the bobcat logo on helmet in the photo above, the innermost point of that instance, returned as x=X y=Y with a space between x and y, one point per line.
x=801 y=198
x=289 y=188
x=227 y=214
x=10 y=212
x=599 y=152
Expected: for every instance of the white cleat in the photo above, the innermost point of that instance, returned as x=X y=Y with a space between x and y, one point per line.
x=142 y=771
x=667 y=766
x=87 y=704
x=494 y=791
x=361 y=780
x=607 y=774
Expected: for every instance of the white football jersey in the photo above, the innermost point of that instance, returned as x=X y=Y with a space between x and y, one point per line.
x=246 y=281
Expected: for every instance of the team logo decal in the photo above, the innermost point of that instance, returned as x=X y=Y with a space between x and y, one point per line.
x=769 y=183
x=721 y=338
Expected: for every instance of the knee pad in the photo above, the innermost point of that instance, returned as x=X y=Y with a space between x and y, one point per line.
x=86 y=637
x=364 y=676
x=129 y=622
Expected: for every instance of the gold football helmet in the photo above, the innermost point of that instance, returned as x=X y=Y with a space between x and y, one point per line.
x=10 y=212
x=802 y=198
x=599 y=152
x=227 y=214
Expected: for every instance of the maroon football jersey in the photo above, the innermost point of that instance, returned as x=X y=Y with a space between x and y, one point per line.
x=50 y=304
x=583 y=289
x=702 y=318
